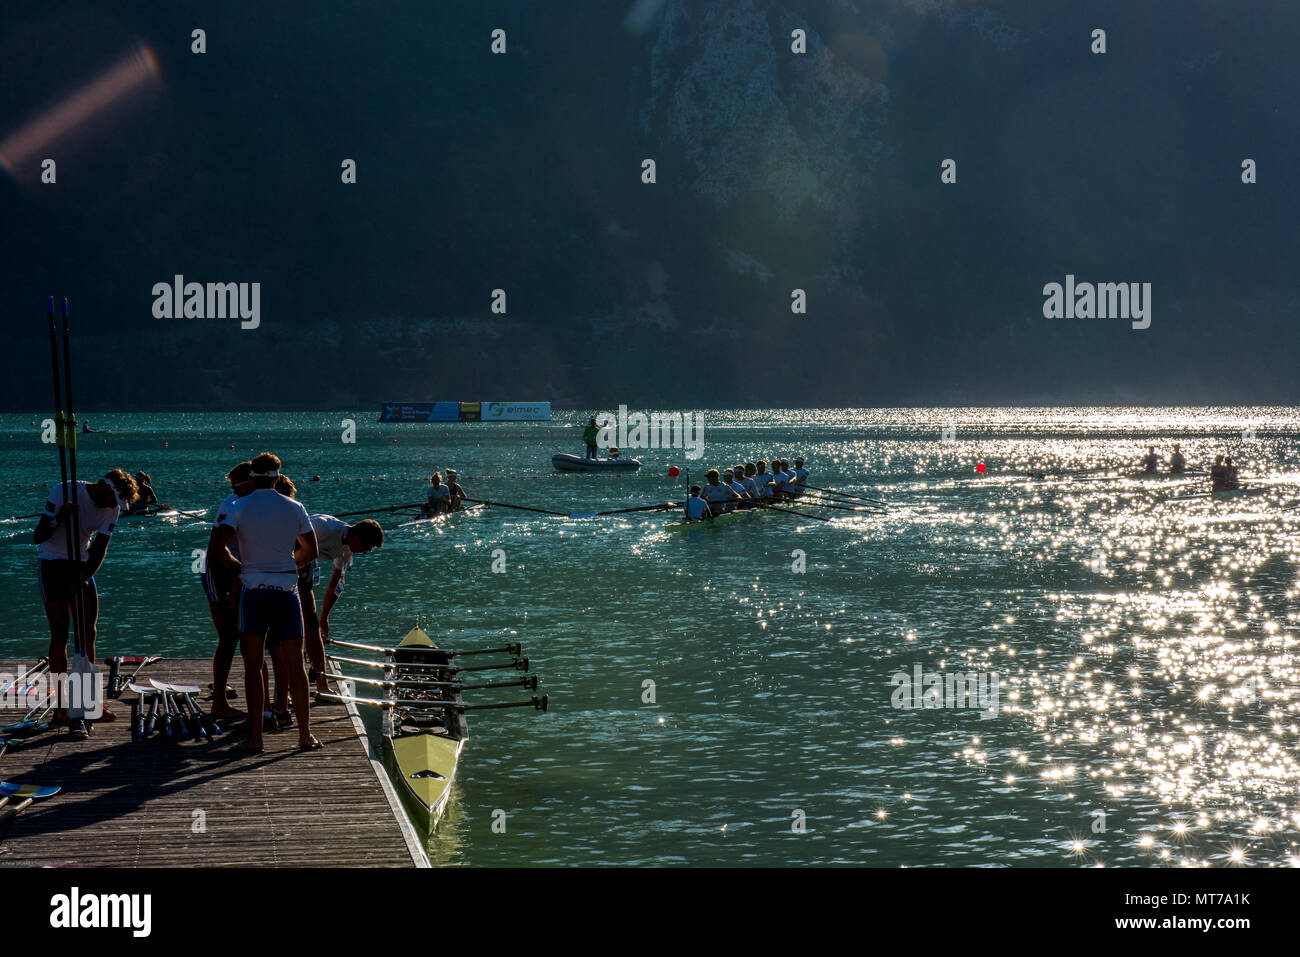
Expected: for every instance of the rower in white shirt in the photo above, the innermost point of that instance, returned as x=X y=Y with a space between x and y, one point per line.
x=751 y=487
x=438 y=496
x=696 y=508
x=761 y=478
x=730 y=479
x=275 y=539
x=337 y=542
x=60 y=570
x=800 y=473
x=718 y=496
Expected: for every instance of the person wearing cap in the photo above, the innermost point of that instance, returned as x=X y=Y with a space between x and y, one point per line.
x=788 y=474
x=696 y=508
x=719 y=497
x=147 y=499
x=778 y=480
x=732 y=477
x=800 y=473
x=589 y=436
x=59 y=573
x=276 y=538
x=437 y=496
x=454 y=491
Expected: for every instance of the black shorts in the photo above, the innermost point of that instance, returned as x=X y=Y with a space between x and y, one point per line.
x=58 y=576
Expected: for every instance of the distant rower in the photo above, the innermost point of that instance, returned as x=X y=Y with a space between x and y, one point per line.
x=717 y=495
x=1177 y=463
x=1151 y=461
x=1218 y=474
x=438 y=496
x=148 y=499
x=456 y=493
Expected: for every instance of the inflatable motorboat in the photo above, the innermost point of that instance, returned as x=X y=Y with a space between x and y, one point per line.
x=577 y=463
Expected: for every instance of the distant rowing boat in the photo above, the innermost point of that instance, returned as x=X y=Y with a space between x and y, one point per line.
x=165 y=511
x=742 y=514
x=1222 y=493
x=576 y=463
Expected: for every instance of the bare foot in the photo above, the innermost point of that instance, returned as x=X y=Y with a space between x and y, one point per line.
x=309 y=743
x=227 y=712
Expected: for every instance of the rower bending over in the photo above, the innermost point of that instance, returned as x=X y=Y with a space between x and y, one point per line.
x=338 y=542
x=275 y=538
x=98 y=506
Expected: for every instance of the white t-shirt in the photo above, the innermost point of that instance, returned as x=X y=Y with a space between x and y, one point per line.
x=751 y=486
x=90 y=517
x=717 y=494
x=329 y=541
x=761 y=480
x=267 y=526
x=738 y=488
x=801 y=475
x=437 y=493
x=696 y=507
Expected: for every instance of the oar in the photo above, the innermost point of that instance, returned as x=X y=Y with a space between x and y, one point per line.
x=206 y=721
x=28 y=793
x=454 y=653
x=143 y=663
x=534 y=702
x=529 y=681
x=19 y=518
x=624 y=511
x=521 y=664
x=820 y=503
x=860 y=498
x=30 y=722
x=81 y=669
x=758 y=503
x=522 y=508
x=42 y=665
x=376 y=511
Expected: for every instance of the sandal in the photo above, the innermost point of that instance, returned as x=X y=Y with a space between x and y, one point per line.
x=313 y=745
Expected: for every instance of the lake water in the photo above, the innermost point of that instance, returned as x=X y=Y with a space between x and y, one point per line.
x=1144 y=649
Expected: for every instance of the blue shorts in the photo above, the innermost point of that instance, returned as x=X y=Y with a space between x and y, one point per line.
x=271 y=614
x=57 y=576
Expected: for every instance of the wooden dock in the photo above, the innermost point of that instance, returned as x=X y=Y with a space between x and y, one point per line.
x=204 y=804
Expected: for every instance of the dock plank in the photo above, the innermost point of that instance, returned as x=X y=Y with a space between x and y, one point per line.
x=199 y=803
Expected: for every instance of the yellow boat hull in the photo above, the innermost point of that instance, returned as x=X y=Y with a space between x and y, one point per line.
x=422 y=760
